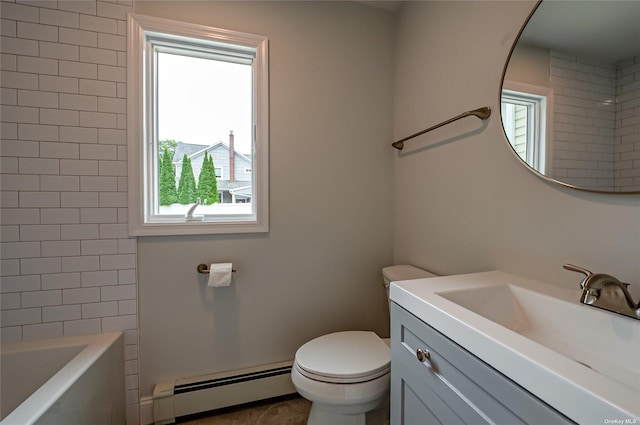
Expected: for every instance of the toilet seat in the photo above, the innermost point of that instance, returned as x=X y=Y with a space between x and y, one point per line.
x=344 y=358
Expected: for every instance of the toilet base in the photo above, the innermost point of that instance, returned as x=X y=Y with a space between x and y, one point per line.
x=322 y=415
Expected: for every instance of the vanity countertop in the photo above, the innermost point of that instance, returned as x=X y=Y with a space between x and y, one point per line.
x=582 y=361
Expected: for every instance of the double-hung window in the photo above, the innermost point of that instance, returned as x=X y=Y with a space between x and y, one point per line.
x=197 y=129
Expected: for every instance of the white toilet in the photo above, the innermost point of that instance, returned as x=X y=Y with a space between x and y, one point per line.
x=346 y=374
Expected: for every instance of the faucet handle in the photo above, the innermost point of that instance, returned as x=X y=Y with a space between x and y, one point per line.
x=577 y=269
x=573 y=268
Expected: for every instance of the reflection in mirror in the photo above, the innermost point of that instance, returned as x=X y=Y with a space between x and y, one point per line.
x=571 y=94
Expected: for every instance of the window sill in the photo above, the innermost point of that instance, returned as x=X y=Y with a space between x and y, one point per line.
x=182 y=227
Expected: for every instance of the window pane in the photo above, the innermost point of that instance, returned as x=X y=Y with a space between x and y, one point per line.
x=204 y=112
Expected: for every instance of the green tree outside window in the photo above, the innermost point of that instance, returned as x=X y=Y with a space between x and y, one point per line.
x=187 y=193
x=207 y=182
x=168 y=192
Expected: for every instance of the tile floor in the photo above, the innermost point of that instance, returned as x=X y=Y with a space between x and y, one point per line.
x=292 y=410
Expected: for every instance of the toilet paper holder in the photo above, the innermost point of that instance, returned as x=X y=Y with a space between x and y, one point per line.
x=204 y=269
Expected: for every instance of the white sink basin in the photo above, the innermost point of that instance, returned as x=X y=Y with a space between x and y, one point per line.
x=583 y=361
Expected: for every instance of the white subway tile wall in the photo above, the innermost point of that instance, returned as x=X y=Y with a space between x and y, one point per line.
x=627 y=148
x=584 y=121
x=596 y=121
x=68 y=266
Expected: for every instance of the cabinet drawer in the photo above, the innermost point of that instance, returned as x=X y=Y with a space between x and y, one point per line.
x=475 y=392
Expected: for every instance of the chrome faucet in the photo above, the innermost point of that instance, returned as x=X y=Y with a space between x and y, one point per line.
x=606 y=292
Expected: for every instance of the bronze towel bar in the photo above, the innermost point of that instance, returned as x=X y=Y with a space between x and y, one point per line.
x=482 y=113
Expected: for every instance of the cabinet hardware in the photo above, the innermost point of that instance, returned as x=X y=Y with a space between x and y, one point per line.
x=423 y=356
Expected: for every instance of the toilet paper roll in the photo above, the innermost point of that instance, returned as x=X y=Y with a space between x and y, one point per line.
x=220 y=274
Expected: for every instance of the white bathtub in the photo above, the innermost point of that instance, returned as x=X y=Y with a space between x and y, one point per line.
x=70 y=380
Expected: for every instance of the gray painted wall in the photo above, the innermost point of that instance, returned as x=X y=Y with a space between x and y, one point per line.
x=318 y=270
x=463 y=202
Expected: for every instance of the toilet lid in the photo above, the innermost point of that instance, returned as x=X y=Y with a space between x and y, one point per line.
x=344 y=357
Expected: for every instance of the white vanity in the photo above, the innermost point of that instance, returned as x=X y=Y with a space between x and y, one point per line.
x=496 y=348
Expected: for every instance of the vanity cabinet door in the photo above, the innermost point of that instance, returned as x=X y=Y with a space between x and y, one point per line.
x=453 y=386
x=413 y=401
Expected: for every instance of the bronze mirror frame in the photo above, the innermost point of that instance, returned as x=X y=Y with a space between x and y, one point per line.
x=506 y=139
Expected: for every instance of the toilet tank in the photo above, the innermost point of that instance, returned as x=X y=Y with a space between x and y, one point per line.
x=402 y=272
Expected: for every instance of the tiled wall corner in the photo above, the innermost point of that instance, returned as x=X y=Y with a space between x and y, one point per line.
x=68 y=266
x=597 y=113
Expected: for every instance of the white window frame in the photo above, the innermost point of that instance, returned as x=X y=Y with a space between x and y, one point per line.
x=540 y=125
x=142 y=153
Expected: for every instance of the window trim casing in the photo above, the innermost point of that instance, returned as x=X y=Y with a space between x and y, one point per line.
x=138 y=128
x=545 y=122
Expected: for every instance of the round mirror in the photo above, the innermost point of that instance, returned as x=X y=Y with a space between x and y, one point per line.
x=570 y=99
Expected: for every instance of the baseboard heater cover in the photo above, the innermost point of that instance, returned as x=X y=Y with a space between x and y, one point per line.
x=172 y=399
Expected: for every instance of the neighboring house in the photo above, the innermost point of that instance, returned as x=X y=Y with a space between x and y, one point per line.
x=233 y=169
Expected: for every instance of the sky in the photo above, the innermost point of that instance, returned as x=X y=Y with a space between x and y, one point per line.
x=200 y=101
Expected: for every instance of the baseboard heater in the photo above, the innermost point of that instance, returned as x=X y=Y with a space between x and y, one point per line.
x=173 y=399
